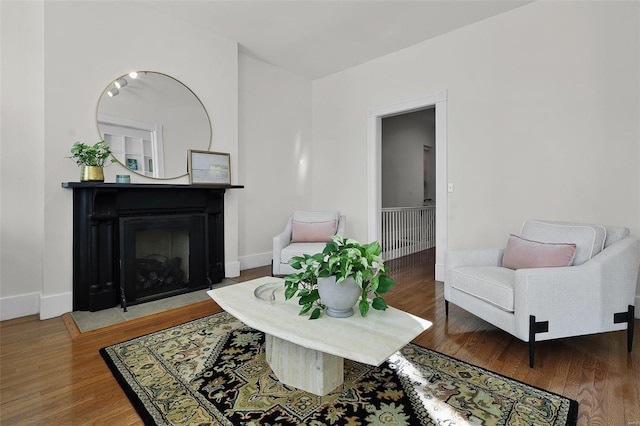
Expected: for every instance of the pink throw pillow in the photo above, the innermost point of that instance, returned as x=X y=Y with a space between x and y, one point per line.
x=312 y=232
x=521 y=254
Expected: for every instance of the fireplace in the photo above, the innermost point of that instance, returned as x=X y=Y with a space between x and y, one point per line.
x=134 y=243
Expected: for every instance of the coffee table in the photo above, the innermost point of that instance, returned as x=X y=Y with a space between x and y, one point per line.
x=309 y=354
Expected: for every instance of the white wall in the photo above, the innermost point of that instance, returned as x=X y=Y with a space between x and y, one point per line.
x=542 y=112
x=403 y=140
x=21 y=158
x=275 y=148
x=80 y=50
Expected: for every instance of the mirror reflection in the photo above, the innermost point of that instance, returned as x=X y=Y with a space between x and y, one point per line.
x=150 y=120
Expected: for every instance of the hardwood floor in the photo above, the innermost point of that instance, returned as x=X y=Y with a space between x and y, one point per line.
x=49 y=376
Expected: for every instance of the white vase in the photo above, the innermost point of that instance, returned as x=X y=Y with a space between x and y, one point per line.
x=338 y=298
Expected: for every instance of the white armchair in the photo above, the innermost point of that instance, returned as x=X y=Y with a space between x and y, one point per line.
x=595 y=294
x=306 y=232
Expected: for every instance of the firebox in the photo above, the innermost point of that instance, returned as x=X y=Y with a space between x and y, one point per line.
x=161 y=256
x=133 y=243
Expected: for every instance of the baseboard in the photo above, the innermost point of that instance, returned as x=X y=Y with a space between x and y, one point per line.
x=19 y=306
x=232 y=269
x=55 y=305
x=255 y=260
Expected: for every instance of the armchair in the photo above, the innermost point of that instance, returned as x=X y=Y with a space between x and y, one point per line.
x=536 y=302
x=306 y=232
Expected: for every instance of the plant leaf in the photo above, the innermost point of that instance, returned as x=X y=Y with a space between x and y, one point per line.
x=309 y=298
x=306 y=308
x=290 y=292
x=375 y=281
x=315 y=314
x=364 y=307
x=385 y=283
x=295 y=264
x=379 y=304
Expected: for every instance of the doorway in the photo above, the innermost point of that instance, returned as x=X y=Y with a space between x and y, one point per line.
x=374 y=141
x=408 y=183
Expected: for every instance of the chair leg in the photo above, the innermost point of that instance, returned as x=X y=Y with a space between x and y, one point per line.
x=446 y=308
x=630 y=327
x=534 y=328
x=532 y=339
x=628 y=318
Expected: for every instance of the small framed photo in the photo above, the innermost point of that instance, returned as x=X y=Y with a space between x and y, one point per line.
x=206 y=167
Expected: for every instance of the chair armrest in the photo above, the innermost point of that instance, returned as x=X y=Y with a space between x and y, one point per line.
x=456 y=258
x=280 y=241
x=568 y=297
x=579 y=299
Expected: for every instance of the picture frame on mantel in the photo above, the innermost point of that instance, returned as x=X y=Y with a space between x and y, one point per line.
x=208 y=167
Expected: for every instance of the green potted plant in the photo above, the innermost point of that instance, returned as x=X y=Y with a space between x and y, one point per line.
x=344 y=264
x=92 y=159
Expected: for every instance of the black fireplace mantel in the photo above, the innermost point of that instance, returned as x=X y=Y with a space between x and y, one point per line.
x=134 y=186
x=97 y=212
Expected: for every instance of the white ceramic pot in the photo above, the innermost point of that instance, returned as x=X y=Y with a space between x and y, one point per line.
x=339 y=298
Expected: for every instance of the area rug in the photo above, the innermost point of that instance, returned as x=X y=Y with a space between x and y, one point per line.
x=213 y=371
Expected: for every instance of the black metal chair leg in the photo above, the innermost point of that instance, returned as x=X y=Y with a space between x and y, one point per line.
x=627 y=317
x=532 y=339
x=446 y=308
x=534 y=328
x=630 y=326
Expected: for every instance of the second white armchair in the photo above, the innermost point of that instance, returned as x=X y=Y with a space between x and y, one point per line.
x=307 y=232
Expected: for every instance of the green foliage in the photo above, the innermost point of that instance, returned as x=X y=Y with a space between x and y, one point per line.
x=91 y=155
x=342 y=257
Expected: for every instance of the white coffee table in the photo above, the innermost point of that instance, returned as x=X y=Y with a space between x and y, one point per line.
x=309 y=354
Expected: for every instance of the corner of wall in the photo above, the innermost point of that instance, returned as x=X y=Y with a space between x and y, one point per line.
x=55 y=305
x=232 y=269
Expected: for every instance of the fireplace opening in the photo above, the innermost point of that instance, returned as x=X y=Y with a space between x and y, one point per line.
x=161 y=256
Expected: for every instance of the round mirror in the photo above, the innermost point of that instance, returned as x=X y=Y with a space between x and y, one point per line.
x=150 y=120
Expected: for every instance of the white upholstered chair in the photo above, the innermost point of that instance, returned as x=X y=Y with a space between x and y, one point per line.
x=534 y=302
x=307 y=232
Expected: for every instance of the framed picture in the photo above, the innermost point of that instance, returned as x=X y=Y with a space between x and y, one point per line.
x=206 y=167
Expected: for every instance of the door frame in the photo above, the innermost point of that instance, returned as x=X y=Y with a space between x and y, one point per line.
x=374 y=168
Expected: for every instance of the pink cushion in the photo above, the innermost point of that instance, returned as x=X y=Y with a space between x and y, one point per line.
x=312 y=232
x=521 y=253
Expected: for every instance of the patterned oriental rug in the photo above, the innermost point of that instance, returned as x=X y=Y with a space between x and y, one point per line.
x=213 y=371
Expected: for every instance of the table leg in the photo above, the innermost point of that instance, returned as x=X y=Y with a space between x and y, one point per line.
x=312 y=371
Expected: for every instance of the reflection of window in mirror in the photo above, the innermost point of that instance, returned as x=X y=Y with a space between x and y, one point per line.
x=137 y=145
x=425 y=176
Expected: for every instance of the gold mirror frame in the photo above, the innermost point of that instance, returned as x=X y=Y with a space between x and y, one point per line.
x=135 y=92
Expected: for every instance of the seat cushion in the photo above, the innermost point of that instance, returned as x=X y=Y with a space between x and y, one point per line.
x=589 y=239
x=298 y=249
x=492 y=284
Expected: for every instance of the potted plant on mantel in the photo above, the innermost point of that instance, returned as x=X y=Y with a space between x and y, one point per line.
x=334 y=279
x=92 y=159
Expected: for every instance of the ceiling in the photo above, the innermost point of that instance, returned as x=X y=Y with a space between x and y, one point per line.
x=318 y=38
